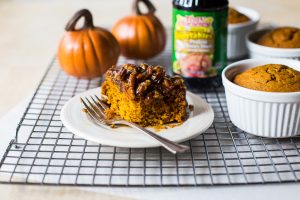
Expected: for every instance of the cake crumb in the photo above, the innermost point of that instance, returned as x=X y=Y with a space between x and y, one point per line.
x=113 y=126
x=191 y=107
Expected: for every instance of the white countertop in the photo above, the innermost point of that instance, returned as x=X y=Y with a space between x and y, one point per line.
x=30 y=32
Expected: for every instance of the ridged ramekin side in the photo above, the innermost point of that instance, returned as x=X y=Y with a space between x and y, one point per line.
x=267 y=119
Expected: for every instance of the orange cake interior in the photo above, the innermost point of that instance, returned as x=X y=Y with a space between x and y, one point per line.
x=144 y=94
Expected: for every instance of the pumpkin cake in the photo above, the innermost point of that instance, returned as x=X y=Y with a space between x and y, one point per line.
x=235 y=17
x=270 y=78
x=282 y=37
x=145 y=95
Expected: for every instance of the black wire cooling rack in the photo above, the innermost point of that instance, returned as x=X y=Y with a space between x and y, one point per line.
x=45 y=152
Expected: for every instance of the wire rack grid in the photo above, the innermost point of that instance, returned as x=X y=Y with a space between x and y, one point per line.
x=49 y=154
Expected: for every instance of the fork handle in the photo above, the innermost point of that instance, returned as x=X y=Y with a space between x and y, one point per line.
x=169 y=145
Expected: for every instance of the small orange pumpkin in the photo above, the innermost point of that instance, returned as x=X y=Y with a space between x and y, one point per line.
x=141 y=36
x=89 y=51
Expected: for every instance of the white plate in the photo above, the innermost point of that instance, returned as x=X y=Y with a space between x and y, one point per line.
x=78 y=123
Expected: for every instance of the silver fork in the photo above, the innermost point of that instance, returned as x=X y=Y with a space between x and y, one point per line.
x=95 y=109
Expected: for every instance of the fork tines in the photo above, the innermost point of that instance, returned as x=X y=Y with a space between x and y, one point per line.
x=96 y=109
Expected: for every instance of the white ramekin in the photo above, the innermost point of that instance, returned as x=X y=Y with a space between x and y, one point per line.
x=267 y=114
x=236 y=38
x=260 y=51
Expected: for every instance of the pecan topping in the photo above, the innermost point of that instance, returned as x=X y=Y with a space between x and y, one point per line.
x=146 y=81
x=143 y=87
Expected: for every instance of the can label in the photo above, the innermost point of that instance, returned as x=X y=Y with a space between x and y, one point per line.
x=199 y=43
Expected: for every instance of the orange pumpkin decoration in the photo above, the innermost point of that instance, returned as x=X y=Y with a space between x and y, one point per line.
x=141 y=36
x=89 y=51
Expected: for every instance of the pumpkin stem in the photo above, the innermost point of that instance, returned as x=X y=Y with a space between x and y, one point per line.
x=88 y=20
x=149 y=5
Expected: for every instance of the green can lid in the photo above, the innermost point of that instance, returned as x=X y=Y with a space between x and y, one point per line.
x=200 y=5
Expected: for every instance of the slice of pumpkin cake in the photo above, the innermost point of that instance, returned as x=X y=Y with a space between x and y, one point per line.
x=145 y=94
